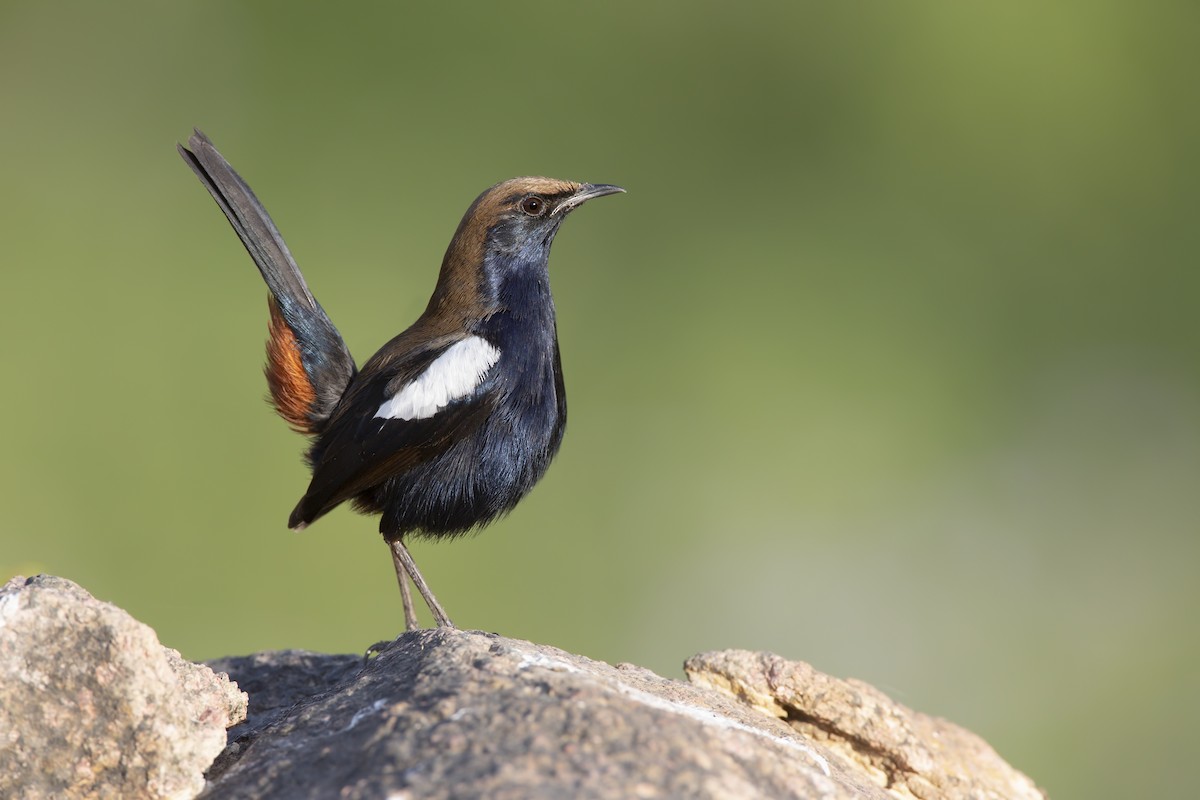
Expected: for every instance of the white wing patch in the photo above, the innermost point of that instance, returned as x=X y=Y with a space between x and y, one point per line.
x=452 y=375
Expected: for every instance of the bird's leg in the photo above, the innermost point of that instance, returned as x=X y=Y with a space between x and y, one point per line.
x=406 y=566
x=410 y=613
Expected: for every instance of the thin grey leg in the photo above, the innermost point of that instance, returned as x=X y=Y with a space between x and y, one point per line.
x=410 y=612
x=405 y=565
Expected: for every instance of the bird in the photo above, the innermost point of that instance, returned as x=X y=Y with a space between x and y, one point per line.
x=452 y=422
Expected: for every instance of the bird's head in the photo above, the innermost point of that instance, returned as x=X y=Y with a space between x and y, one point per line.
x=520 y=217
x=509 y=227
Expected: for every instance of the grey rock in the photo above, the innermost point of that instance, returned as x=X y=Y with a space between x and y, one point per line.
x=457 y=714
x=91 y=705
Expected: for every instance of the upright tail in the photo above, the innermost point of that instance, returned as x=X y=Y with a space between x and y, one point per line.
x=308 y=364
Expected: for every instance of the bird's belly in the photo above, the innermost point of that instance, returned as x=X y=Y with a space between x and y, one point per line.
x=481 y=476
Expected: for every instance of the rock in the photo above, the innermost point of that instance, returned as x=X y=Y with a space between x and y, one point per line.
x=277 y=680
x=447 y=714
x=911 y=754
x=91 y=705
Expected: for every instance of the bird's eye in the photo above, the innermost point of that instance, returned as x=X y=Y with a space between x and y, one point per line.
x=533 y=205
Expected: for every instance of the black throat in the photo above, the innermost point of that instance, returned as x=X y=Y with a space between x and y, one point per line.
x=523 y=327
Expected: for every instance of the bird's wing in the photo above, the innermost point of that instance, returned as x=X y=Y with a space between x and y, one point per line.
x=308 y=364
x=398 y=416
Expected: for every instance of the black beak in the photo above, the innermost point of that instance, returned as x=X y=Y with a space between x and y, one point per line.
x=585 y=192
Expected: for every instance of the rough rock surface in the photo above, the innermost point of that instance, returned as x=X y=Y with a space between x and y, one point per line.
x=911 y=754
x=91 y=705
x=447 y=714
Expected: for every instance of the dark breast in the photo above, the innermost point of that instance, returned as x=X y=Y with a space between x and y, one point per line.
x=484 y=474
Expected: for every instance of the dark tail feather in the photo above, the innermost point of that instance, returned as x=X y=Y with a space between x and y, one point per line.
x=308 y=364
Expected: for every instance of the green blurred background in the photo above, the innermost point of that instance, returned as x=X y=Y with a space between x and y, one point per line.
x=887 y=361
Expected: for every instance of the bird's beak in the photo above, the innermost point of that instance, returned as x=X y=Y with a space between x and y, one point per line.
x=585 y=192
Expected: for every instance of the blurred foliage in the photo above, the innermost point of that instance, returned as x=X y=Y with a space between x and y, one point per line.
x=887 y=361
